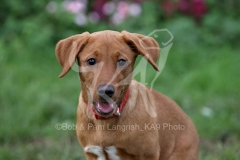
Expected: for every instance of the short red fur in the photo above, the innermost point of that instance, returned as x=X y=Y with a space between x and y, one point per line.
x=146 y=127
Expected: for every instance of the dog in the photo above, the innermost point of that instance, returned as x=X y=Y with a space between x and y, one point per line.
x=119 y=118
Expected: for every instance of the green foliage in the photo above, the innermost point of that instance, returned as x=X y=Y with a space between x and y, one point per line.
x=202 y=71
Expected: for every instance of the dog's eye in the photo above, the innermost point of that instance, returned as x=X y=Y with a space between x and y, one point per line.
x=91 y=61
x=121 y=62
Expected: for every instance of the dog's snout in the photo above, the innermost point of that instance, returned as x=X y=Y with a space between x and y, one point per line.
x=106 y=90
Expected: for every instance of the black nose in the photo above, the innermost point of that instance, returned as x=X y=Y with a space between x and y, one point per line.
x=106 y=90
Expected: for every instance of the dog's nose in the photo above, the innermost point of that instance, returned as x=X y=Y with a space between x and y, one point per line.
x=106 y=90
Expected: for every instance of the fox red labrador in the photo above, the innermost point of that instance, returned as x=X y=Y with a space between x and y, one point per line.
x=119 y=118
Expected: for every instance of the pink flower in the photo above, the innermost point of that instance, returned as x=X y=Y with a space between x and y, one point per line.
x=169 y=7
x=183 y=6
x=195 y=8
x=122 y=9
x=74 y=6
x=98 y=7
x=198 y=8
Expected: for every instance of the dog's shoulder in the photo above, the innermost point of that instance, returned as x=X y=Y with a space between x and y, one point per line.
x=143 y=95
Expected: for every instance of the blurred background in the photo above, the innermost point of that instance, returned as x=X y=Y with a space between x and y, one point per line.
x=202 y=72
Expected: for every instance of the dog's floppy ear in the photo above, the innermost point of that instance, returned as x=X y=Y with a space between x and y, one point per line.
x=67 y=50
x=144 y=45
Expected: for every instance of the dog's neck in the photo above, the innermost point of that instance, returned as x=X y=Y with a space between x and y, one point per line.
x=122 y=105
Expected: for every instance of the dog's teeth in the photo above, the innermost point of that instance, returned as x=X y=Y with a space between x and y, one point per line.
x=118 y=112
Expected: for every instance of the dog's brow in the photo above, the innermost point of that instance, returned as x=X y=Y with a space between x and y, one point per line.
x=124 y=49
x=116 y=53
x=96 y=52
x=89 y=54
x=120 y=54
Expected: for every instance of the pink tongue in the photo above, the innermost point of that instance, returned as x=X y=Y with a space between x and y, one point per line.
x=105 y=107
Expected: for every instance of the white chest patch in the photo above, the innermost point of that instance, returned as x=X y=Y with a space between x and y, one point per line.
x=98 y=151
x=112 y=153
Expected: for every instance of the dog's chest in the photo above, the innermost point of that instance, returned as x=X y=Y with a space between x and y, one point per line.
x=103 y=152
x=108 y=145
x=113 y=141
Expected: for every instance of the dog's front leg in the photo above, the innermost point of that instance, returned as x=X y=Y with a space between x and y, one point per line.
x=94 y=153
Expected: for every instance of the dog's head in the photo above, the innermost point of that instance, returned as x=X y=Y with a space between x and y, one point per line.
x=106 y=61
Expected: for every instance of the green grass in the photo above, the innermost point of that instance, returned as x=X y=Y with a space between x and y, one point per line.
x=33 y=100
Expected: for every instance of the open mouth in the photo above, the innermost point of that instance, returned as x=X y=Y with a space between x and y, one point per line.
x=105 y=109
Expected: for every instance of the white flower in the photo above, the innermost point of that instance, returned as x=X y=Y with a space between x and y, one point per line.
x=108 y=8
x=93 y=17
x=134 y=9
x=206 y=111
x=117 y=18
x=80 y=19
x=51 y=7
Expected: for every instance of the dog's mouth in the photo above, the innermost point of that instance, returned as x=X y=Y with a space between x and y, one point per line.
x=107 y=108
